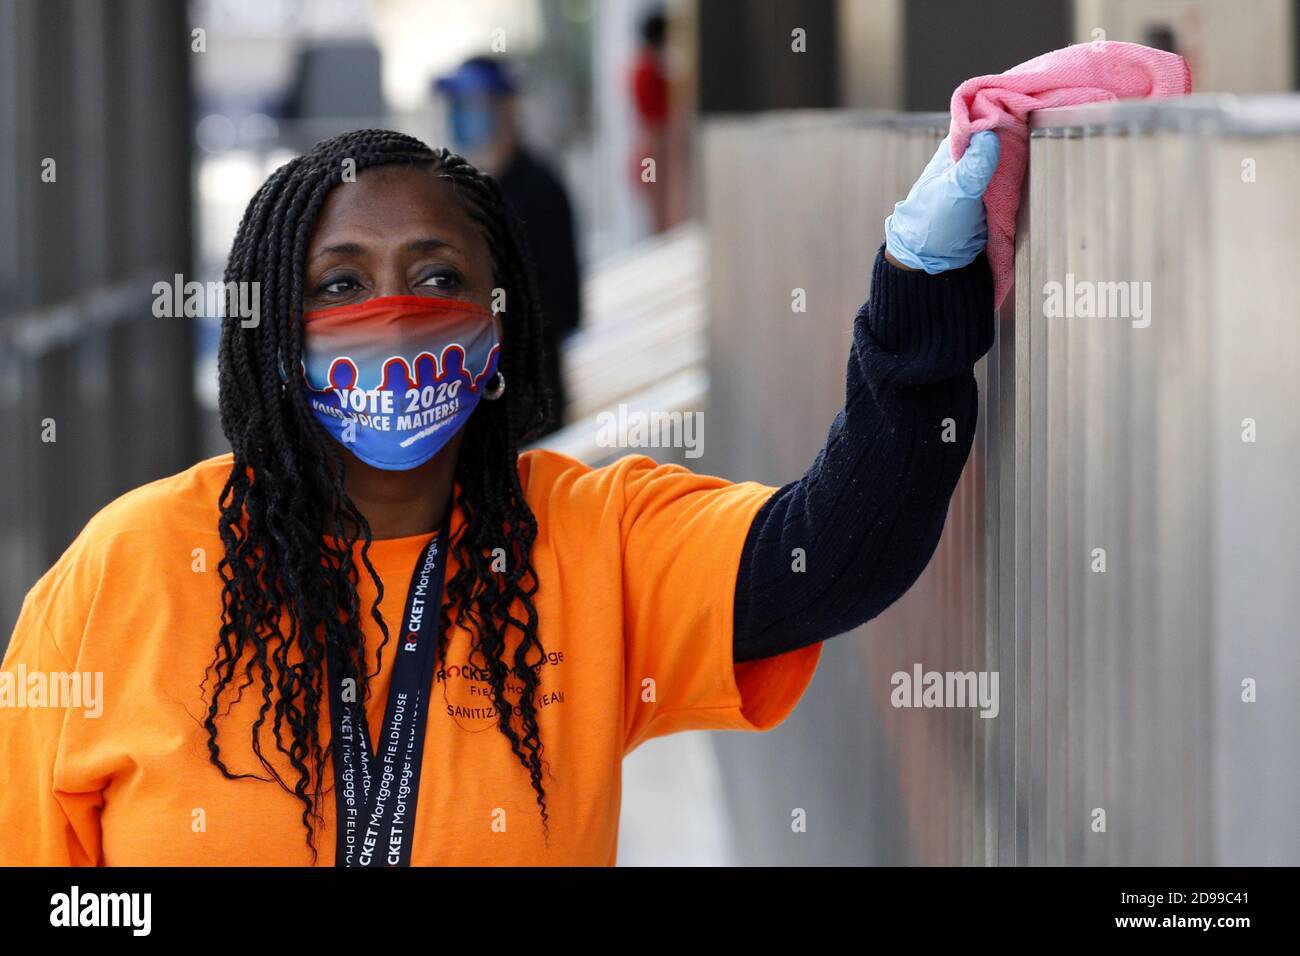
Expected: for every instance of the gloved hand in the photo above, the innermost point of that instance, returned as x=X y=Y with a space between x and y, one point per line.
x=941 y=224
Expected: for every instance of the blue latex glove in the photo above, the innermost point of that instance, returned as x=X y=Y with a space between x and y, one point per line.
x=941 y=224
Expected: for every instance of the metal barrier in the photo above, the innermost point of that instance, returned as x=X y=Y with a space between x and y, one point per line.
x=96 y=398
x=1147 y=711
x=96 y=394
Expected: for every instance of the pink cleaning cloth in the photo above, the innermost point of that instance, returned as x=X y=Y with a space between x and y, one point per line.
x=1084 y=73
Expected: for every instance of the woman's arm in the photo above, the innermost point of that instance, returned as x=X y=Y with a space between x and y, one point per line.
x=40 y=824
x=869 y=511
x=867 y=515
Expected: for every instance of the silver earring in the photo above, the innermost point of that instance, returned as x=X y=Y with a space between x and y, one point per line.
x=496 y=388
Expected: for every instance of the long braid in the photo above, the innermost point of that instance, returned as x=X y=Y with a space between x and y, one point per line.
x=289 y=596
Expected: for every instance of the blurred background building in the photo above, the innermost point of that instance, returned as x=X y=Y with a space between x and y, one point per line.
x=777 y=151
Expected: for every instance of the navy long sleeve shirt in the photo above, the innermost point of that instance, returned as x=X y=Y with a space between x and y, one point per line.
x=869 y=511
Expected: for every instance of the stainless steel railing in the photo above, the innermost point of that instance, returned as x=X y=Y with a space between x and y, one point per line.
x=96 y=397
x=1121 y=691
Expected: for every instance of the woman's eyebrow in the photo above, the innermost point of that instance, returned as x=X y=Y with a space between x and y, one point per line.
x=342 y=248
x=426 y=244
x=430 y=244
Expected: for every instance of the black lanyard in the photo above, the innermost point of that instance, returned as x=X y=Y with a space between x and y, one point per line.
x=375 y=791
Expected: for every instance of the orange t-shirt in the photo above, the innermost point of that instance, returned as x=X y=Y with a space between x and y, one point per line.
x=636 y=564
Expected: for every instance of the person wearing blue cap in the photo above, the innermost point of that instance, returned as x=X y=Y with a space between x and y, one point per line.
x=481 y=97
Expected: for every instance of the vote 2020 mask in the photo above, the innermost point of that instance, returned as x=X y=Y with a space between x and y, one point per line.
x=393 y=378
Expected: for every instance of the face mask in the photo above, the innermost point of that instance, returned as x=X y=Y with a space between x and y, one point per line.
x=472 y=125
x=393 y=378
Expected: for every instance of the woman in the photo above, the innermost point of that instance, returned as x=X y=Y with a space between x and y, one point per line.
x=278 y=688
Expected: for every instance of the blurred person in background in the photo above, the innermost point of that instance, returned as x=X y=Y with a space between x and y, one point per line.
x=251 y=620
x=651 y=103
x=482 y=104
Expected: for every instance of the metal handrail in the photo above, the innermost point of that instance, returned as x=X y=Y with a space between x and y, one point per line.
x=1259 y=115
x=29 y=335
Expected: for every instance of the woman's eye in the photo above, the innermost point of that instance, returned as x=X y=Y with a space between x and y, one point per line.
x=442 y=279
x=336 y=285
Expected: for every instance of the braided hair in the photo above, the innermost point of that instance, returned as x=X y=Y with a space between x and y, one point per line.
x=289 y=594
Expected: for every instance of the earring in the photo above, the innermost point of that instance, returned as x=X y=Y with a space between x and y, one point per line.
x=496 y=387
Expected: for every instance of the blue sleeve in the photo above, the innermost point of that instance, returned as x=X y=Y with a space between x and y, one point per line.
x=869 y=511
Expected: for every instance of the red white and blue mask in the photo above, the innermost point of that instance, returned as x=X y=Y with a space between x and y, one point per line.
x=394 y=378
